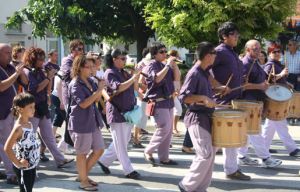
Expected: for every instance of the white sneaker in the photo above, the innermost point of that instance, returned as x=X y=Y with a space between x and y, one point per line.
x=248 y=161
x=270 y=163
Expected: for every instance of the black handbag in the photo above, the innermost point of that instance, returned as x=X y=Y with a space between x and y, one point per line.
x=67 y=136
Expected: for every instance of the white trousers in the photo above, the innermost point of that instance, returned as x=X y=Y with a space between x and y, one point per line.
x=230 y=160
x=258 y=143
x=120 y=133
x=177 y=107
x=281 y=127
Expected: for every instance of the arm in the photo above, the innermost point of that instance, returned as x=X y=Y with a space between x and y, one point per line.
x=5 y=84
x=12 y=139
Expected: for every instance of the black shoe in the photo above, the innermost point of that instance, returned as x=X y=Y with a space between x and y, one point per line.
x=2 y=175
x=273 y=151
x=181 y=188
x=104 y=168
x=144 y=132
x=138 y=145
x=12 y=181
x=43 y=157
x=170 y=162
x=150 y=160
x=238 y=175
x=133 y=175
x=295 y=153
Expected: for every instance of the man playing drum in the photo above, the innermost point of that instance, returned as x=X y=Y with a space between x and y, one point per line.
x=268 y=130
x=228 y=69
x=196 y=92
x=256 y=85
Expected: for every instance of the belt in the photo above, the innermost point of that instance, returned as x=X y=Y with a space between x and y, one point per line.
x=161 y=98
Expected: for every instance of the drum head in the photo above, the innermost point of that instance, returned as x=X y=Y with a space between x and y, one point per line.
x=279 y=93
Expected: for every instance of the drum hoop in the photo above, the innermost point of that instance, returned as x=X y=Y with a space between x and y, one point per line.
x=243 y=112
x=283 y=85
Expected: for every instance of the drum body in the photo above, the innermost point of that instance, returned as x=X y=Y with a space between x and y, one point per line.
x=277 y=102
x=294 y=110
x=229 y=128
x=254 y=110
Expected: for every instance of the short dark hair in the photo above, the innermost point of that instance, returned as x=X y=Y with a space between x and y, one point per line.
x=155 y=47
x=226 y=28
x=20 y=101
x=50 y=53
x=145 y=51
x=74 y=44
x=203 y=49
x=110 y=55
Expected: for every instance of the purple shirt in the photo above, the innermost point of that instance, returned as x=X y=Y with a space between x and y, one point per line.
x=66 y=66
x=196 y=83
x=123 y=102
x=278 y=68
x=257 y=75
x=226 y=63
x=35 y=77
x=7 y=96
x=163 y=89
x=83 y=120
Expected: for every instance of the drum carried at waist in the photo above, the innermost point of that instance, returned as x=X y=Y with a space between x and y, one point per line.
x=277 y=102
x=254 y=110
x=294 y=110
x=229 y=128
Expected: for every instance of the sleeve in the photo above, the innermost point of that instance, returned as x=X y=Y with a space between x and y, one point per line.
x=77 y=93
x=152 y=70
x=188 y=88
x=32 y=83
x=267 y=68
x=112 y=81
x=66 y=69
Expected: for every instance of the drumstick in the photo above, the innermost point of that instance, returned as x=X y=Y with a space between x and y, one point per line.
x=227 y=83
x=251 y=67
x=270 y=73
x=218 y=105
x=239 y=87
x=273 y=68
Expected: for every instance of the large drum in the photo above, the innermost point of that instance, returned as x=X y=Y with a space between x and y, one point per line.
x=278 y=102
x=254 y=109
x=229 y=128
x=294 y=110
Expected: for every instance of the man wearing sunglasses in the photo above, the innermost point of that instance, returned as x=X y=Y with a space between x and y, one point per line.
x=76 y=48
x=227 y=64
x=291 y=59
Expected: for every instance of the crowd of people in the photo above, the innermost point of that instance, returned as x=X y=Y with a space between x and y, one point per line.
x=88 y=99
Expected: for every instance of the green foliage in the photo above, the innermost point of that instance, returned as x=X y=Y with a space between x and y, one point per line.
x=90 y=20
x=184 y=23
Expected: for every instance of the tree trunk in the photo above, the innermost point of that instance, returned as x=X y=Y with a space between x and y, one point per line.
x=141 y=43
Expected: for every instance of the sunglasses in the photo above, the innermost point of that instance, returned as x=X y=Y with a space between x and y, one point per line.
x=234 y=34
x=79 y=49
x=274 y=52
x=213 y=52
x=162 y=51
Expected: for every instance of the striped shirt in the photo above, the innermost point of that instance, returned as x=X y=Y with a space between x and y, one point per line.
x=292 y=61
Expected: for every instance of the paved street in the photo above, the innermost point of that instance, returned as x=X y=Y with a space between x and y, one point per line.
x=164 y=179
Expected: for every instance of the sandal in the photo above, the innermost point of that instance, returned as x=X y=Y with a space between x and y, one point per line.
x=150 y=160
x=88 y=188
x=94 y=183
x=66 y=161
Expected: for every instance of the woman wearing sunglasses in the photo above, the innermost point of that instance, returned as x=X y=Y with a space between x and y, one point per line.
x=120 y=87
x=270 y=126
x=160 y=91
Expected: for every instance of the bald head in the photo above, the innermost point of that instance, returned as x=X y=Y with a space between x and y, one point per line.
x=253 y=48
x=5 y=54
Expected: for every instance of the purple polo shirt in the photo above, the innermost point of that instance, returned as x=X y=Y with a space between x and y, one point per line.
x=196 y=83
x=7 y=96
x=83 y=120
x=123 y=102
x=226 y=63
x=163 y=89
x=278 y=69
x=257 y=75
x=66 y=66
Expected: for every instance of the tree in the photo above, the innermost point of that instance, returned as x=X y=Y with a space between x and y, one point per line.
x=90 y=20
x=184 y=23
